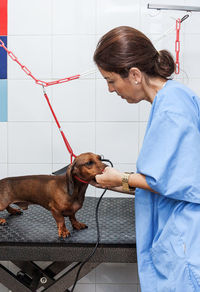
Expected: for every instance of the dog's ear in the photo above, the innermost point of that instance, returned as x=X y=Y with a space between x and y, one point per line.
x=69 y=179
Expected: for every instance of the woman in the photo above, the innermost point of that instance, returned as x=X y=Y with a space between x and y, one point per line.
x=167 y=182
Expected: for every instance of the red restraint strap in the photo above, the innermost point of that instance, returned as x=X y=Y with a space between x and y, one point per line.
x=63 y=135
x=81 y=180
x=59 y=127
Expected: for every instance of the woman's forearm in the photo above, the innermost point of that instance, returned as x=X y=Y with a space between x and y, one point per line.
x=120 y=190
x=135 y=180
x=112 y=180
x=138 y=180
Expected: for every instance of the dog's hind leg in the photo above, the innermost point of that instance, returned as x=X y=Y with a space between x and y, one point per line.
x=10 y=210
x=13 y=211
x=2 y=220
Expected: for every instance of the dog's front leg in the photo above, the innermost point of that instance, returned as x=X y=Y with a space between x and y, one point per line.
x=76 y=224
x=60 y=221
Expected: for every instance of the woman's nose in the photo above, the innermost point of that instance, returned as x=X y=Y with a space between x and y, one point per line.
x=111 y=88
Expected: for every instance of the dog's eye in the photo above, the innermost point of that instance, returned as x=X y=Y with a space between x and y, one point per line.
x=89 y=163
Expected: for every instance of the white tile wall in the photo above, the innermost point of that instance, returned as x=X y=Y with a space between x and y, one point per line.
x=118 y=141
x=56 y=39
x=68 y=98
x=35 y=52
x=26 y=102
x=3 y=170
x=112 y=13
x=71 y=54
x=29 y=142
x=194 y=85
x=142 y=130
x=3 y=143
x=28 y=17
x=191 y=47
x=144 y=110
x=81 y=136
x=73 y=17
x=28 y=169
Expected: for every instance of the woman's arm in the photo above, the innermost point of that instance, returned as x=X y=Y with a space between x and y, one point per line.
x=112 y=179
x=138 y=180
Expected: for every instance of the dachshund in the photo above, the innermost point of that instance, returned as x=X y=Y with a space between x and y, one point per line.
x=63 y=195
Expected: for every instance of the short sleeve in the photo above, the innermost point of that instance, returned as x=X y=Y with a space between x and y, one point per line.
x=170 y=157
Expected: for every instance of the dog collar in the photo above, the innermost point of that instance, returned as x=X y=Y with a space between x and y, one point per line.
x=81 y=180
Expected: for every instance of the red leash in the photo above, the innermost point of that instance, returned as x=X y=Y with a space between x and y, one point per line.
x=59 y=127
x=44 y=84
x=63 y=135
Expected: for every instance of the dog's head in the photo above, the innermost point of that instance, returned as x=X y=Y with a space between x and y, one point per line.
x=85 y=166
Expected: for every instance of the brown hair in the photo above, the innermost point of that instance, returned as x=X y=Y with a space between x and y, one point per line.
x=125 y=47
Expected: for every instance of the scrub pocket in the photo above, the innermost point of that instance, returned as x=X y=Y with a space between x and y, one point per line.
x=163 y=261
x=168 y=253
x=174 y=273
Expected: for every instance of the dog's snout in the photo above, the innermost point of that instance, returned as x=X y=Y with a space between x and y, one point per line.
x=104 y=166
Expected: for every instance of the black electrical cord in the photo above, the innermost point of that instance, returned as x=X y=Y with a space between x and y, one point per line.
x=98 y=237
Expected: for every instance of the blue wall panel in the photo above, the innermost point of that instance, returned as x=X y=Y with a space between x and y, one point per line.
x=3 y=59
x=3 y=100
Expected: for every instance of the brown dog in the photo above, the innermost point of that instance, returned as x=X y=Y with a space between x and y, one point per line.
x=62 y=195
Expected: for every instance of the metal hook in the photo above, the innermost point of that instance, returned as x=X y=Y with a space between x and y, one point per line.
x=184 y=17
x=44 y=91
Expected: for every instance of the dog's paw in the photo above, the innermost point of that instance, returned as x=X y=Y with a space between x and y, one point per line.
x=63 y=233
x=3 y=221
x=17 y=212
x=79 y=225
x=14 y=211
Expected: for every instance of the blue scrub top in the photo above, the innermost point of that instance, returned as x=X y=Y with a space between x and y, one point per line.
x=168 y=223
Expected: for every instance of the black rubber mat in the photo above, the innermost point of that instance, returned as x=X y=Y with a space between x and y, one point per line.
x=36 y=225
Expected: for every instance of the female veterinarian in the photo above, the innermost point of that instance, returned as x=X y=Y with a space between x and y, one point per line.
x=167 y=182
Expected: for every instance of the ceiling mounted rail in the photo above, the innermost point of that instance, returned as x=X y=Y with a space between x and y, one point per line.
x=173 y=7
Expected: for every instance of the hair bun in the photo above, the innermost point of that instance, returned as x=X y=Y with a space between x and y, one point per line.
x=164 y=64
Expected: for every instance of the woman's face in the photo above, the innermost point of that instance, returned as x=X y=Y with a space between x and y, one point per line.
x=127 y=88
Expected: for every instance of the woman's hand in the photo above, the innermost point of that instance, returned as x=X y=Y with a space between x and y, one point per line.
x=111 y=177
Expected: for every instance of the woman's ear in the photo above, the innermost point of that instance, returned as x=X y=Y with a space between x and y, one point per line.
x=135 y=75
